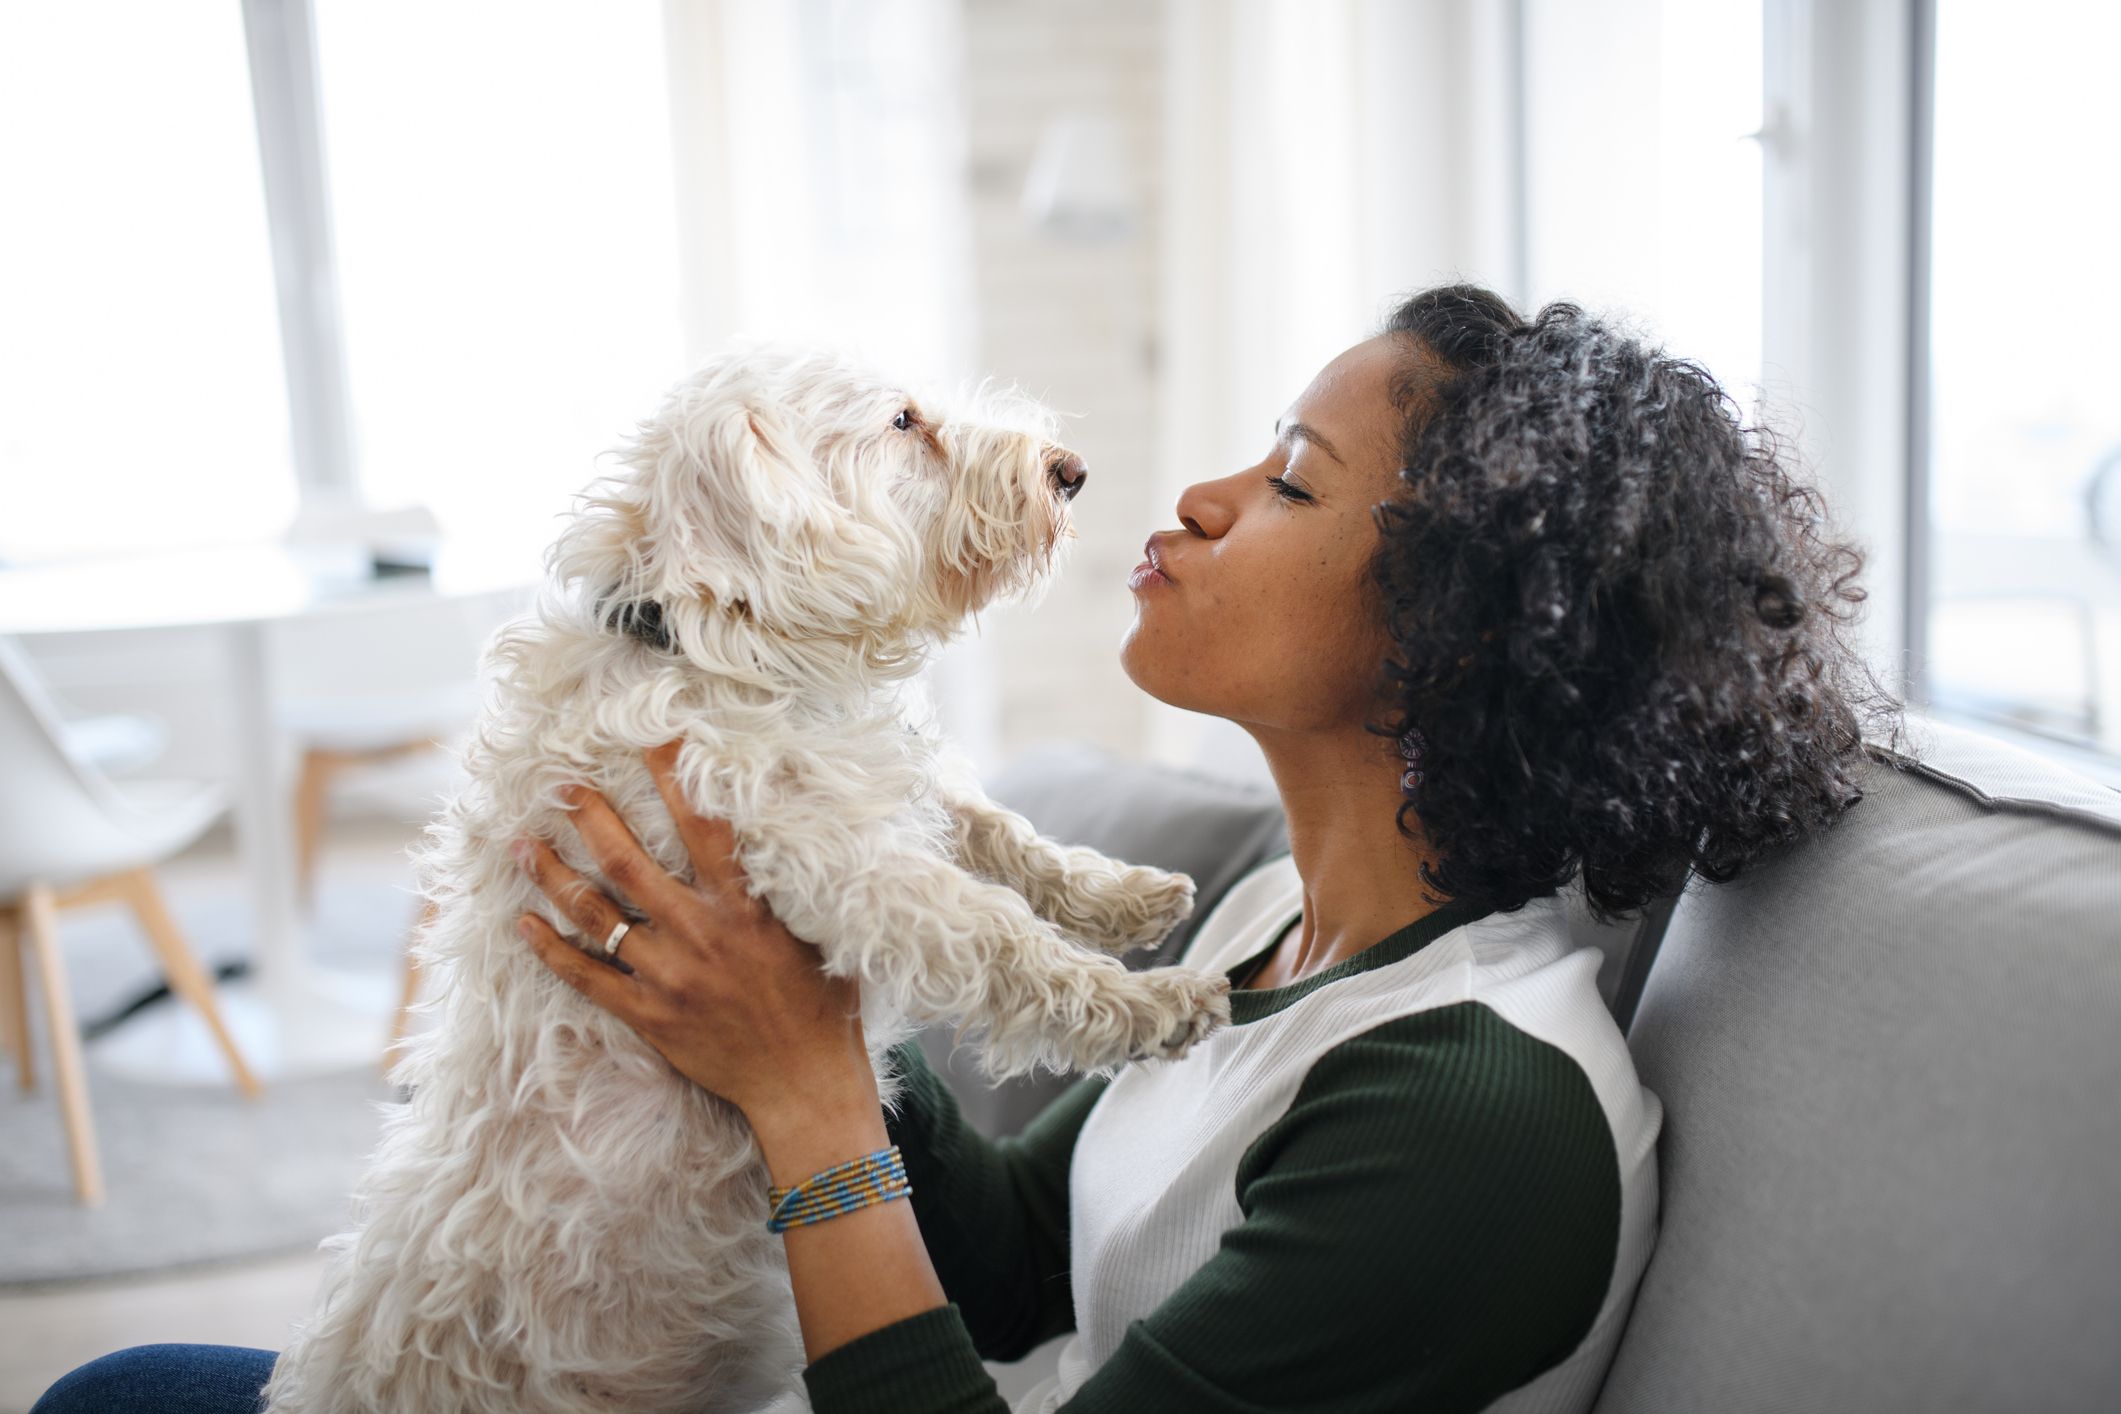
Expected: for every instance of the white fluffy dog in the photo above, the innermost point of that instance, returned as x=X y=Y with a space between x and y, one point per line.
x=557 y=1220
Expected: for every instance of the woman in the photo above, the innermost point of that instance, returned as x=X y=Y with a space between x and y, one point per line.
x=1524 y=591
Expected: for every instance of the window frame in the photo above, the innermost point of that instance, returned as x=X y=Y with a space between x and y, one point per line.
x=1921 y=149
x=280 y=36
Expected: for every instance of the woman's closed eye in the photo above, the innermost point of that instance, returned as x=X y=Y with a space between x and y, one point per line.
x=1288 y=490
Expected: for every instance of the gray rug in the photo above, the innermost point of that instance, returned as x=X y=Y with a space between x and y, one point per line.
x=195 y=1174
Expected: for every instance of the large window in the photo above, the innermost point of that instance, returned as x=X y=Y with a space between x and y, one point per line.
x=142 y=401
x=502 y=199
x=488 y=224
x=2023 y=426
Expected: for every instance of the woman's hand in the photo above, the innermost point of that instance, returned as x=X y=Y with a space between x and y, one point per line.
x=739 y=1005
x=732 y=999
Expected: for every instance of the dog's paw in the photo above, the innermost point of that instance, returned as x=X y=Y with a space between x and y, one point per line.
x=1147 y=904
x=1157 y=1014
x=1180 y=1007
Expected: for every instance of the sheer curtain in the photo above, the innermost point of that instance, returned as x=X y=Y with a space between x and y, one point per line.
x=821 y=152
x=1643 y=171
x=1322 y=156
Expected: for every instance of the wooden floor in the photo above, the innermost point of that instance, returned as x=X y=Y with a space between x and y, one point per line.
x=47 y=1333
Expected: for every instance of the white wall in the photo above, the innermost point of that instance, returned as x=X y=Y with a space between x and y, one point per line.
x=1072 y=318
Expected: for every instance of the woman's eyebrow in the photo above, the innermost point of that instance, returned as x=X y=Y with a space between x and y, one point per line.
x=1309 y=434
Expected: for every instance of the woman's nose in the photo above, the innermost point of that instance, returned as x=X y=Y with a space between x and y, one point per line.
x=1204 y=507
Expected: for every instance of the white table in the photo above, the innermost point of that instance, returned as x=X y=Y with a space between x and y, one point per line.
x=290 y=1017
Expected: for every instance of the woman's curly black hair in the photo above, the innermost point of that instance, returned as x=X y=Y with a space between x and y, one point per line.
x=1620 y=622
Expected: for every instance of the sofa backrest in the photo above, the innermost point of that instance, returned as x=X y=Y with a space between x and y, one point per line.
x=1891 y=1070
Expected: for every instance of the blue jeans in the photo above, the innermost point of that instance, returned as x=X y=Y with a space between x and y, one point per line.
x=164 y=1379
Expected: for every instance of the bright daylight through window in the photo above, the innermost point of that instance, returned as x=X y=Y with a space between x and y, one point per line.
x=144 y=403
x=502 y=207
x=2024 y=615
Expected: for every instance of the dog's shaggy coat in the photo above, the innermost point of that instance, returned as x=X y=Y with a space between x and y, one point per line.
x=557 y=1220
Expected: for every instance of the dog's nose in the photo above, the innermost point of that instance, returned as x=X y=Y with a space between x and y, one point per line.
x=1068 y=473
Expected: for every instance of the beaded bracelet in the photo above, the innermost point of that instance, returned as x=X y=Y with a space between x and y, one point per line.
x=843 y=1188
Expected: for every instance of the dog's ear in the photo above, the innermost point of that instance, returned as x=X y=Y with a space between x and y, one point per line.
x=737 y=510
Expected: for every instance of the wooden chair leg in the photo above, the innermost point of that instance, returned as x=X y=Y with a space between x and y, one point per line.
x=42 y=918
x=312 y=791
x=321 y=765
x=186 y=977
x=14 y=998
x=409 y=992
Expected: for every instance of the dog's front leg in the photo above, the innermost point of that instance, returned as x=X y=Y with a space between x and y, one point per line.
x=942 y=945
x=1111 y=905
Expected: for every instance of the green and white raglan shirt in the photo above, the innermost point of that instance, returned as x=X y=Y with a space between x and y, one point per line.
x=1424 y=1178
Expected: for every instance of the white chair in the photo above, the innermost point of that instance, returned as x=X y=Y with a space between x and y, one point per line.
x=363 y=688
x=68 y=837
x=117 y=744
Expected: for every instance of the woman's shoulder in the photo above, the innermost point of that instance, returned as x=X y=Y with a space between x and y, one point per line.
x=1536 y=979
x=1457 y=1082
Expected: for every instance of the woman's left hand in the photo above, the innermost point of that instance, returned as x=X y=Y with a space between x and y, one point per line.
x=710 y=978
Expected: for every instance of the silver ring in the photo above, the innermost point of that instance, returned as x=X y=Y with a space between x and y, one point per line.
x=618 y=931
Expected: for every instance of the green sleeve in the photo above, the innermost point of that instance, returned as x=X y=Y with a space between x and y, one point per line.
x=993 y=1213
x=1431 y=1224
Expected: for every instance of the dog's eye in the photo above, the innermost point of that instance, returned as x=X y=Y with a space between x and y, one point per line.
x=904 y=421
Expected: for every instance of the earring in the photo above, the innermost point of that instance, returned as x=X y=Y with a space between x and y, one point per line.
x=1410 y=745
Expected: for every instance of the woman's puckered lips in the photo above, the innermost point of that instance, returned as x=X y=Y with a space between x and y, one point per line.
x=1157 y=559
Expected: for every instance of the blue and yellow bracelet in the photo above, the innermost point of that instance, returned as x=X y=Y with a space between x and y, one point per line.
x=843 y=1188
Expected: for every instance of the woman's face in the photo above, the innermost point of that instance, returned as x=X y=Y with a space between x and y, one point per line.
x=1265 y=612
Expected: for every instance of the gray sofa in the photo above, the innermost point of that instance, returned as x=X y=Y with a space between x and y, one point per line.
x=1890 y=1063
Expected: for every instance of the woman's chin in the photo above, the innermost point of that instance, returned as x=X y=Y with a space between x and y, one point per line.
x=1127 y=662
x=1139 y=661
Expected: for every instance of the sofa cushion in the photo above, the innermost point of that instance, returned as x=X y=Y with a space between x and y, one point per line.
x=1891 y=1069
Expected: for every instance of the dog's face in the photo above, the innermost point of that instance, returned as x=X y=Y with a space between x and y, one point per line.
x=810 y=498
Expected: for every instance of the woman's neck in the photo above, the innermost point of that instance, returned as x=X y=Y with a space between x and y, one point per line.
x=1361 y=877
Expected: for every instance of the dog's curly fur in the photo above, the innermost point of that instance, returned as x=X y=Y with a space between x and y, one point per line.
x=1620 y=617
x=556 y=1220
